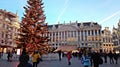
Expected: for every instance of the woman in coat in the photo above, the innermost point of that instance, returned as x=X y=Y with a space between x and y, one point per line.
x=23 y=59
x=69 y=57
x=35 y=56
x=86 y=59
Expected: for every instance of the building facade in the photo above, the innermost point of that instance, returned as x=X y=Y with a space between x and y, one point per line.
x=107 y=42
x=83 y=35
x=9 y=25
x=116 y=37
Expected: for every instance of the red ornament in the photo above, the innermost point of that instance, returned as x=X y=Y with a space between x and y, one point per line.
x=28 y=45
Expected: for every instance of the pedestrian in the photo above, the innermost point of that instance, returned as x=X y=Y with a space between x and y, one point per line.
x=96 y=59
x=60 y=54
x=86 y=59
x=9 y=56
x=116 y=56
x=105 y=57
x=69 y=57
x=90 y=54
x=111 y=56
x=35 y=56
x=23 y=59
x=79 y=55
x=0 y=55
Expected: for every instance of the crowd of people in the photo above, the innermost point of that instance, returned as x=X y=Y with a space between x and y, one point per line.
x=24 y=58
x=94 y=59
x=87 y=57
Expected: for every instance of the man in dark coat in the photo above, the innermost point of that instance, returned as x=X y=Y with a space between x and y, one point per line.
x=111 y=56
x=96 y=57
x=23 y=59
x=116 y=56
x=60 y=52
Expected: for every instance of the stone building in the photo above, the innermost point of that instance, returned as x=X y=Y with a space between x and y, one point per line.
x=116 y=37
x=9 y=25
x=80 y=34
x=107 y=43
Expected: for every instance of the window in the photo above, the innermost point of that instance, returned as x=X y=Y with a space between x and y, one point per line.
x=92 y=32
x=95 y=32
x=88 y=32
x=99 y=32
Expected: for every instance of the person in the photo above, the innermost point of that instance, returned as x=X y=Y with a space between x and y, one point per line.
x=23 y=59
x=116 y=56
x=111 y=56
x=79 y=55
x=59 y=52
x=0 y=54
x=9 y=56
x=69 y=58
x=86 y=59
x=35 y=56
x=105 y=57
x=96 y=59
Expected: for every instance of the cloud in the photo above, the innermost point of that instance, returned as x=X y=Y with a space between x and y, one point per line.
x=109 y=17
x=63 y=11
x=22 y=3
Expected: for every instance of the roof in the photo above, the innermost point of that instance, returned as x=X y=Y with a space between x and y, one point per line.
x=5 y=46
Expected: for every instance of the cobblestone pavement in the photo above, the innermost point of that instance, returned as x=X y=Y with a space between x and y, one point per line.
x=56 y=63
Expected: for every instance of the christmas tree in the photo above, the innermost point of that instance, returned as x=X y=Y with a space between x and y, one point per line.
x=33 y=32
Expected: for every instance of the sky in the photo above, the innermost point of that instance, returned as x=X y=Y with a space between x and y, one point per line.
x=104 y=12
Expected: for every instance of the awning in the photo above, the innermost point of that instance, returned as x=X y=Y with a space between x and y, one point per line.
x=66 y=48
x=5 y=46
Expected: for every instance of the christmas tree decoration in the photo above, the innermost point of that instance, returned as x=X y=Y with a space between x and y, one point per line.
x=33 y=32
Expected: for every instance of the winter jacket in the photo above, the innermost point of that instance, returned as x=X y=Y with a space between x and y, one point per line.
x=35 y=56
x=86 y=60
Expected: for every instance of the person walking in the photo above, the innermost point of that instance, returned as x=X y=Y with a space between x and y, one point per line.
x=69 y=58
x=86 y=59
x=23 y=59
x=9 y=56
x=111 y=56
x=116 y=56
x=35 y=56
x=105 y=57
x=60 y=54
x=96 y=59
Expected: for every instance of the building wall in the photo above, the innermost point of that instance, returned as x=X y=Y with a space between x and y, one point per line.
x=107 y=42
x=9 y=25
x=116 y=37
x=86 y=34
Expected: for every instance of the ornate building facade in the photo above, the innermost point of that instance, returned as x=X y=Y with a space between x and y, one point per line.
x=9 y=25
x=83 y=35
x=107 y=43
x=116 y=37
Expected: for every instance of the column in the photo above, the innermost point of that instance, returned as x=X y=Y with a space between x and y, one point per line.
x=58 y=36
x=64 y=37
x=51 y=36
x=80 y=35
x=94 y=32
x=90 y=32
x=98 y=32
x=83 y=35
x=87 y=35
x=55 y=37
